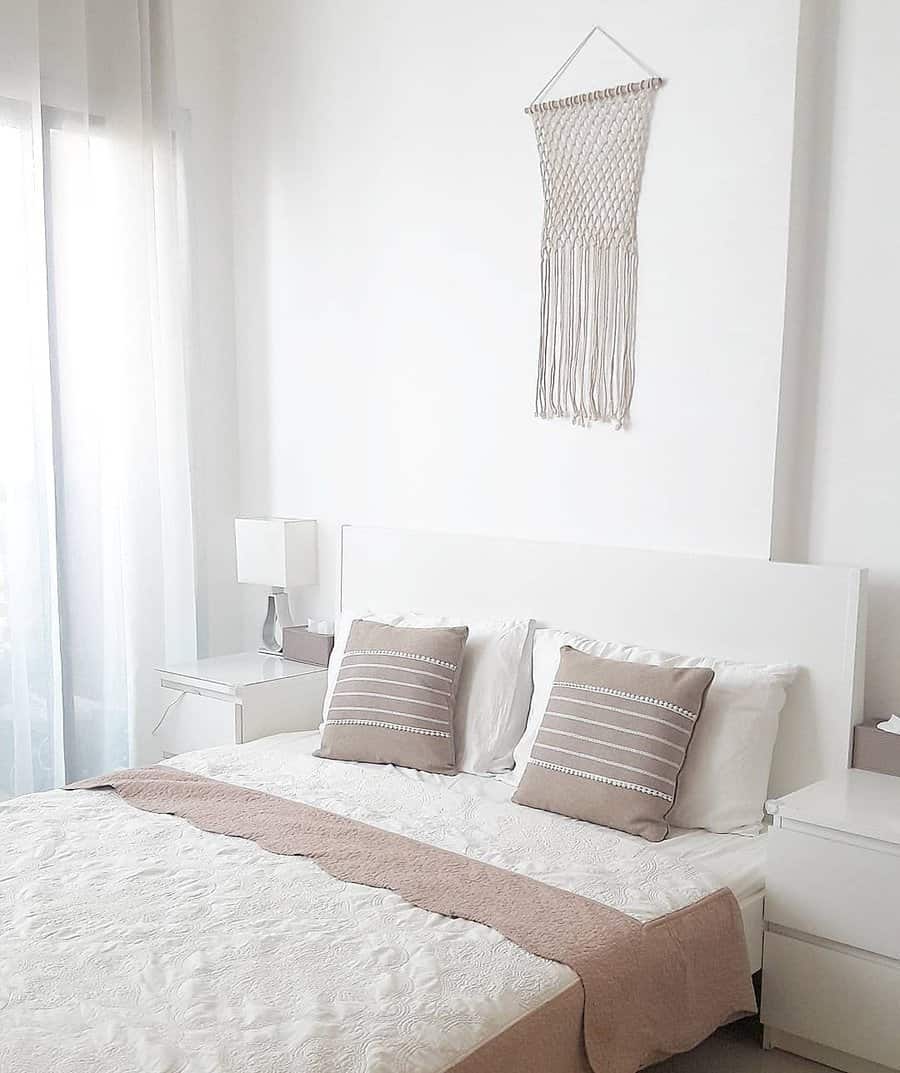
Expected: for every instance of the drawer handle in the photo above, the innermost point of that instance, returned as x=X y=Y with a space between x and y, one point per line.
x=169 y=707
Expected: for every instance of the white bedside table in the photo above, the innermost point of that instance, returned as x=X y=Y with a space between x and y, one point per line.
x=227 y=700
x=831 y=955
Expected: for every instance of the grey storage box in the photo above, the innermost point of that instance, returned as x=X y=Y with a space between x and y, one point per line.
x=305 y=647
x=876 y=750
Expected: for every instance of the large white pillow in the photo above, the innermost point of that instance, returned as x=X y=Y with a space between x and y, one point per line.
x=494 y=686
x=723 y=784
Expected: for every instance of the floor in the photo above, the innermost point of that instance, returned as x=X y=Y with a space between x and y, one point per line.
x=736 y=1049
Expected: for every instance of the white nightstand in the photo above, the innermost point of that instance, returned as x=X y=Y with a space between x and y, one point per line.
x=831 y=956
x=227 y=700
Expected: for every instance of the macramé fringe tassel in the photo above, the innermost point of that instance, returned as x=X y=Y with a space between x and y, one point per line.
x=586 y=357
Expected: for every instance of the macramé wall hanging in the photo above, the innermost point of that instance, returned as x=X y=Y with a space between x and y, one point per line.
x=591 y=148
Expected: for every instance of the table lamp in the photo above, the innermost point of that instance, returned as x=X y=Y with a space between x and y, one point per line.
x=280 y=553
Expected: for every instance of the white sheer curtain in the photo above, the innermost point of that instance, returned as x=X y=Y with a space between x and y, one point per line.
x=96 y=545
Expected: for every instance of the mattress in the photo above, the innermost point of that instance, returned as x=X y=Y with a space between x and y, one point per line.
x=136 y=941
x=736 y=861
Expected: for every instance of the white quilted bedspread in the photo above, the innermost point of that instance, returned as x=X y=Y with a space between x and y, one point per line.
x=134 y=942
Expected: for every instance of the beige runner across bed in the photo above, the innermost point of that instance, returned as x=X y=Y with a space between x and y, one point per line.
x=649 y=989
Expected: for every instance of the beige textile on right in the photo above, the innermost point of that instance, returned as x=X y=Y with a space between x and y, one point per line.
x=613 y=741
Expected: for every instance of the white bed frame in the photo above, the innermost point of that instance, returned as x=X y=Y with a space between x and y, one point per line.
x=743 y=609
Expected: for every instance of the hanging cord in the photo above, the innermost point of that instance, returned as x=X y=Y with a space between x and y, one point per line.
x=169 y=707
x=562 y=70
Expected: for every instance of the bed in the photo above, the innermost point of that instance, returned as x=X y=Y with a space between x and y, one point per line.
x=736 y=861
x=134 y=940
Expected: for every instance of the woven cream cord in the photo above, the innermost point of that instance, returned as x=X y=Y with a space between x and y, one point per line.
x=592 y=150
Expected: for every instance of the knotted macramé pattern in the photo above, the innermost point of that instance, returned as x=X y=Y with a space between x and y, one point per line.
x=592 y=149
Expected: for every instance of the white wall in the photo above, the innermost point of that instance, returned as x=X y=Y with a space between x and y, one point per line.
x=387 y=213
x=204 y=69
x=387 y=224
x=842 y=487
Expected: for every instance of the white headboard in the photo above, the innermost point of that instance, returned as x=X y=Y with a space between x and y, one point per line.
x=743 y=609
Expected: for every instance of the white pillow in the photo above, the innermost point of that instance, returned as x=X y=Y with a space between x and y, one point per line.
x=724 y=782
x=494 y=685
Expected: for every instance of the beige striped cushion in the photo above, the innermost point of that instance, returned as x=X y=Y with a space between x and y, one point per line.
x=394 y=697
x=613 y=741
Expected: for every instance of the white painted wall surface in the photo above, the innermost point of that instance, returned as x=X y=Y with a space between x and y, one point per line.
x=204 y=69
x=387 y=211
x=844 y=504
x=386 y=217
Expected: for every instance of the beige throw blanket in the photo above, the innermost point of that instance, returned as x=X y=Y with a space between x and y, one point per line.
x=650 y=990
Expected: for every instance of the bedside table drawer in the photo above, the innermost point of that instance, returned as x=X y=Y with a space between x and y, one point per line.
x=196 y=722
x=233 y=699
x=845 y=1001
x=838 y=889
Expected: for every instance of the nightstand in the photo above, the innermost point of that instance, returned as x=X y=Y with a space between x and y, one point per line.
x=227 y=700
x=831 y=954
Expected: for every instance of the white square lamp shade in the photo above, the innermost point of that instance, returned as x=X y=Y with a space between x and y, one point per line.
x=280 y=553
